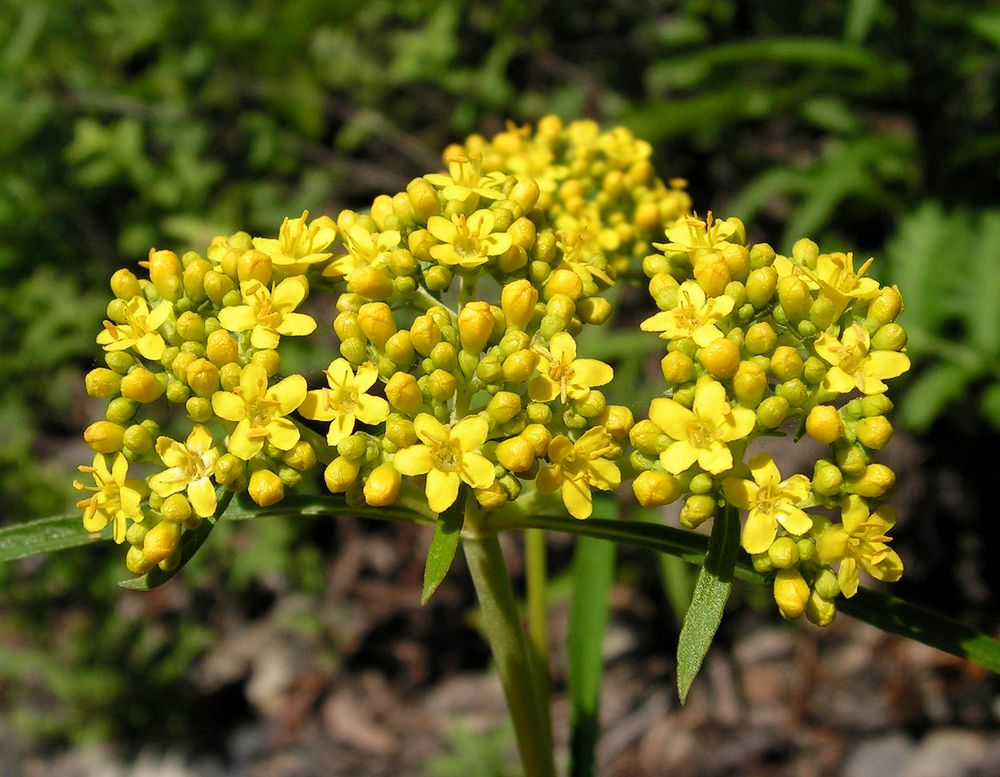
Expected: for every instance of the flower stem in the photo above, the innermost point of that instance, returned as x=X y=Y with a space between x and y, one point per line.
x=536 y=574
x=511 y=653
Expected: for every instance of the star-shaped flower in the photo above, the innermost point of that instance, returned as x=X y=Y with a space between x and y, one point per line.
x=770 y=501
x=346 y=400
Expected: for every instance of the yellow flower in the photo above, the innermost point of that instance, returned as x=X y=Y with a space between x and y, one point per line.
x=836 y=278
x=138 y=331
x=860 y=540
x=190 y=465
x=701 y=434
x=465 y=179
x=467 y=242
x=563 y=375
x=346 y=401
x=693 y=236
x=578 y=466
x=260 y=411
x=695 y=317
x=116 y=497
x=448 y=456
x=269 y=313
x=363 y=250
x=854 y=366
x=298 y=245
x=770 y=501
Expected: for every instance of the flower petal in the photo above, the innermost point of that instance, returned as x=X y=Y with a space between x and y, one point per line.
x=442 y=489
x=413 y=460
x=470 y=433
x=477 y=470
x=758 y=532
x=671 y=416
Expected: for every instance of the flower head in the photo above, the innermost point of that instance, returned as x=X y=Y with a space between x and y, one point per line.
x=363 y=250
x=260 y=411
x=269 y=314
x=139 y=330
x=116 y=497
x=579 y=466
x=702 y=433
x=346 y=400
x=837 y=279
x=563 y=375
x=770 y=501
x=465 y=179
x=190 y=466
x=694 y=316
x=467 y=242
x=861 y=539
x=299 y=244
x=692 y=236
x=854 y=366
x=448 y=456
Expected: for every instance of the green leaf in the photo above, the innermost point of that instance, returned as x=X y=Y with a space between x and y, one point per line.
x=444 y=543
x=711 y=593
x=191 y=541
x=980 y=302
x=593 y=574
x=860 y=15
x=57 y=532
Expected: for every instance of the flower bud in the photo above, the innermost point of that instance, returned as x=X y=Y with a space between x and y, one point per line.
x=516 y=454
x=852 y=460
x=721 y=357
x=677 y=367
x=382 y=486
x=793 y=294
x=475 y=325
x=425 y=334
x=437 y=278
x=820 y=611
x=826 y=585
x=663 y=288
x=254 y=266
x=525 y=194
x=791 y=592
x=136 y=562
x=492 y=498
x=370 y=282
x=783 y=553
x=165 y=273
x=827 y=479
x=519 y=366
x=823 y=424
x=441 y=385
x=403 y=392
x=646 y=436
x=712 y=273
x=125 y=285
x=423 y=199
x=518 y=299
x=193 y=278
x=889 y=337
x=771 y=412
x=563 y=281
x=104 y=436
x=874 y=432
x=161 y=541
x=654 y=489
x=141 y=385
x=203 y=377
x=875 y=482
x=503 y=406
x=102 y=383
x=814 y=370
x=269 y=359
x=376 y=321
x=444 y=356
x=176 y=508
x=805 y=252
x=696 y=510
x=749 y=383
x=221 y=348
x=594 y=310
x=738 y=260
x=617 y=420
x=137 y=440
x=761 y=285
x=266 y=488
x=760 y=338
x=886 y=306
x=786 y=363
x=822 y=312
x=217 y=285
x=794 y=391
x=761 y=255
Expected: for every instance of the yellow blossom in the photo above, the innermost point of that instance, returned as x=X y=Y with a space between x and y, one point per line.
x=465 y=179
x=346 y=400
x=702 y=433
x=299 y=244
x=363 y=250
x=580 y=255
x=836 y=279
x=190 y=466
x=565 y=376
x=577 y=467
x=694 y=316
x=269 y=314
x=467 y=242
x=448 y=456
x=770 y=501
x=260 y=411
x=854 y=366
x=692 y=236
x=860 y=540
x=116 y=497
x=138 y=331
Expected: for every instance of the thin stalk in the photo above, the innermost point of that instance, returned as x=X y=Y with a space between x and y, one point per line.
x=502 y=625
x=536 y=575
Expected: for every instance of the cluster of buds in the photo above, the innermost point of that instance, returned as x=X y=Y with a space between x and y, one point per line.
x=458 y=302
x=759 y=344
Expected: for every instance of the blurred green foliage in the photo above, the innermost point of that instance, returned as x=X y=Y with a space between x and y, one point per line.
x=135 y=123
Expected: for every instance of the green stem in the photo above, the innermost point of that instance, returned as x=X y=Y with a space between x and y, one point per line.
x=536 y=575
x=502 y=625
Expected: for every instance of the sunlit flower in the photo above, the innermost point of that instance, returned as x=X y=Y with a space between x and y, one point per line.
x=854 y=366
x=139 y=330
x=190 y=466
x=577 y=467
x=701 y=434
x=346 y=400
x=836 y=278
x=260 y=411
x=693 y=236
x=861 y=539
x=694 y=316
x=116 y=497
x=269 y=314
x=465 y=179
x=299 y=244
x=563 y=375
x=770 y=501
x=448 y=456
x=363 y=250
x=582 y=256
x=467 y=242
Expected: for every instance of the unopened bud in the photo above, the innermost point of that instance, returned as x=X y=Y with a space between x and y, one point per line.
x=143 y=386
x=721 y=357
x=382 y=486
x=376 y=321
x=654 y=489
x=791 y=593
x=104 y=436
x=823 y=424
x=266 y=488
x=161 y=541
x=102 y=383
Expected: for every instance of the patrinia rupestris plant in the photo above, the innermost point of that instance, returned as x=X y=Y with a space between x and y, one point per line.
x=463 y=398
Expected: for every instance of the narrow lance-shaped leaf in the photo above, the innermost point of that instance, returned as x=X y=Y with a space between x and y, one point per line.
x=57 y=532
x=444 y=543
x=711 y=592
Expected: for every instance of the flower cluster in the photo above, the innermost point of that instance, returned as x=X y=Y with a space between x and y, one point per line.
x=757 y=343
x=458 y=304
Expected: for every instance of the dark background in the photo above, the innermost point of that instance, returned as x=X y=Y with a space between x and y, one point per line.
x=299 y=647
